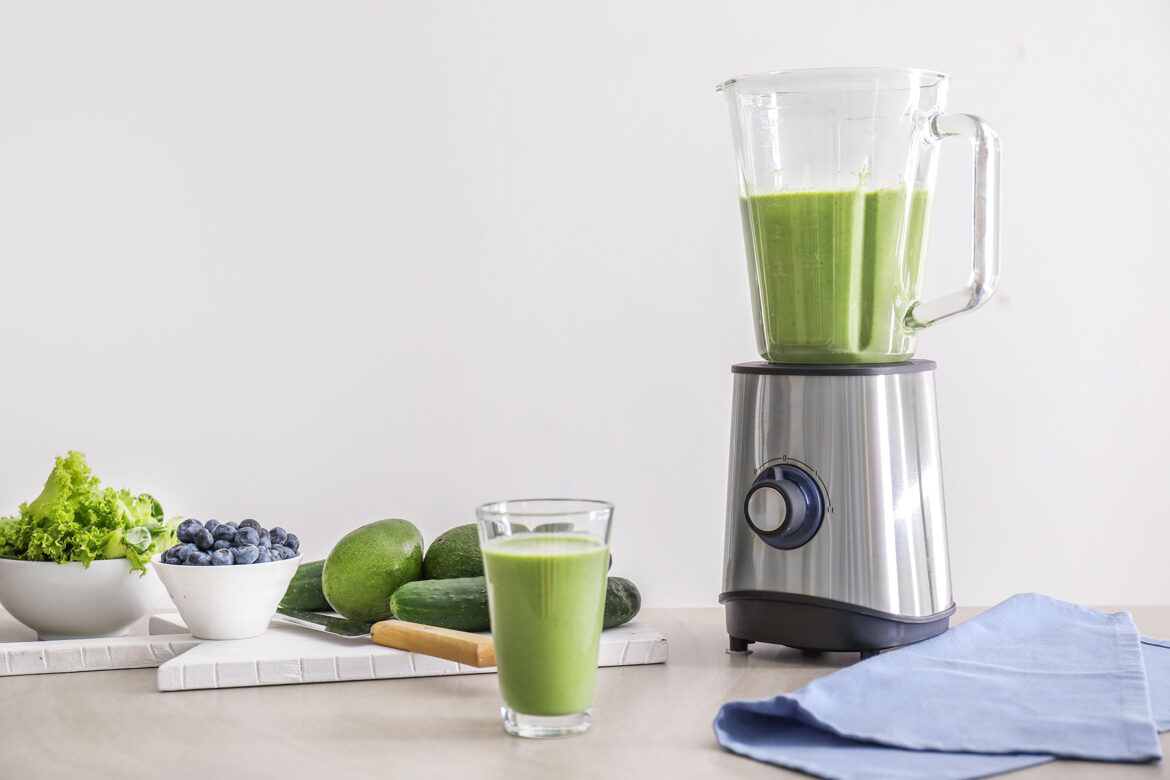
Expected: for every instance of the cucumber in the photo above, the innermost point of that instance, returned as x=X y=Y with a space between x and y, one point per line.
x=462 y=604
x=553 y=528
x=622 y=602
x=304 y=591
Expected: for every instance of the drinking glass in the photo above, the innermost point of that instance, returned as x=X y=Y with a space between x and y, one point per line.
x=545 y=561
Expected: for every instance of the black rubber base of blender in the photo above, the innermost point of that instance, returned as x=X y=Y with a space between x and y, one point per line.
x=817 y=624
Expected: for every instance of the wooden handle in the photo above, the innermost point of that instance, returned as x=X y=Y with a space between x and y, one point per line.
x=460 y=646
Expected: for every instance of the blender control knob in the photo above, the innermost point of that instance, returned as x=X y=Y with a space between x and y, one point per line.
x=784 y=506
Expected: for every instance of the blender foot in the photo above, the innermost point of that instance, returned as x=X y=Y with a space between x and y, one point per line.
x=869 y=653
x=738 y=646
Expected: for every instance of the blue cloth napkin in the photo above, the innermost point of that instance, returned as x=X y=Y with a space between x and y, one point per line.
x=1028 y=681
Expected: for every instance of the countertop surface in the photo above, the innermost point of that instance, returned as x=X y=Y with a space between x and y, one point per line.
x=648 y=721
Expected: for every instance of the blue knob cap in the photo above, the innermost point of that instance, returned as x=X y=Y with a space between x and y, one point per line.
x=784 y=506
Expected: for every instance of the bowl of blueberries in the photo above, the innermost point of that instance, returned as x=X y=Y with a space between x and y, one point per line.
x=227 y=578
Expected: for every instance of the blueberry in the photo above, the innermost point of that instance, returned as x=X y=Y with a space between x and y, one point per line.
x=185 y=550
x=172 y=555
x=211 y=525
x=265 y=555
x=224 y=532
x=222 y=544
x=247 y=553
x=265 y=538
x=251 y=524
x=278 y=535
x=204 y=539
x=222 y=557
x=232 y=526
x=187 y=529
x=280 y=553
x=198 y=558
x=293 y=543
x=247 y=535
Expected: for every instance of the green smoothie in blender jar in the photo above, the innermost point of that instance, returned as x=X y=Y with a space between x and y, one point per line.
x=835 y=272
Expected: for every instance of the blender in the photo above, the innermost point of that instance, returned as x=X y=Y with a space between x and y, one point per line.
x=836 y=535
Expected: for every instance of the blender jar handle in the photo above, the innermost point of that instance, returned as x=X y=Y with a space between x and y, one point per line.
x=985 y=225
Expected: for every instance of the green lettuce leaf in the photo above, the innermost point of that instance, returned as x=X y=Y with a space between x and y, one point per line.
x=75 y=519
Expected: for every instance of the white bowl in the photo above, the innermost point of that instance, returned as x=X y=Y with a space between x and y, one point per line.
x=227 y=602
x=69 y=601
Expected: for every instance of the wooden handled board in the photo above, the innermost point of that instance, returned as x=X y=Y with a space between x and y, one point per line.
x=459 y=646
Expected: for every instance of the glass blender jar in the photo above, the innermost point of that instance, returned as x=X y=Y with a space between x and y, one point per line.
x=836 y=173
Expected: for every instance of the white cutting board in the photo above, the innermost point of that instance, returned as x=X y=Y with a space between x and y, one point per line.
x=21 y=653
x=287 y=654
x=92 y=655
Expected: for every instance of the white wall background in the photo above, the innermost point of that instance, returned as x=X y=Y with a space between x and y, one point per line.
x=323 y=263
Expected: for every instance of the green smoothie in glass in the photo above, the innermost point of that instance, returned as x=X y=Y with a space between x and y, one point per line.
x=834 y=273
x=546 y=593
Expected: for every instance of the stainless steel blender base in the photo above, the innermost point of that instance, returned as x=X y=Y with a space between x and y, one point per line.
x=836 y=538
